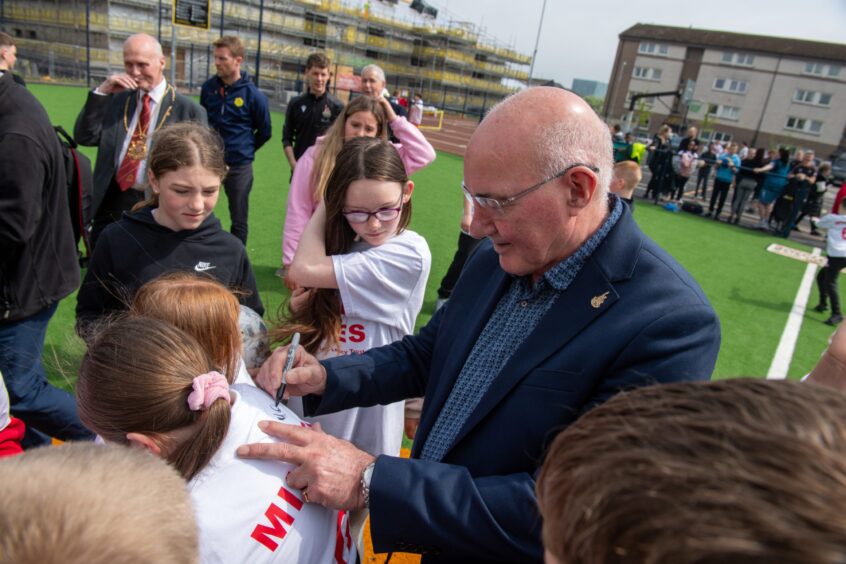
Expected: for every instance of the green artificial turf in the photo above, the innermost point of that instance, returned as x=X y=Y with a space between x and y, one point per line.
x=752 y=290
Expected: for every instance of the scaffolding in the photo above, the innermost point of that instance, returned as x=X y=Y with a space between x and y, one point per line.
x=450 y=66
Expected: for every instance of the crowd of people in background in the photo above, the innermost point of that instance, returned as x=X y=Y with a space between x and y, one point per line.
x=782 y=186
x=285 y=455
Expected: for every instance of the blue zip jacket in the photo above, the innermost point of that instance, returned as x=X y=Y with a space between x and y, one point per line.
x=240 y=114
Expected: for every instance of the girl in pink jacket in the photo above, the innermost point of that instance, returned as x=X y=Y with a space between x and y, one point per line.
x=363 y=117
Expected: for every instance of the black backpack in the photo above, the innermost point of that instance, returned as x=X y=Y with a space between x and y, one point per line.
x=80 y=187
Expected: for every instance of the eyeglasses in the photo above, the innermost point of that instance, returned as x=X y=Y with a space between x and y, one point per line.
x=384 y=214
x=501 y=203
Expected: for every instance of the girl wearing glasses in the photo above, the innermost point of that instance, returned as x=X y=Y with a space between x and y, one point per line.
x=361 y=276
x=363 y=117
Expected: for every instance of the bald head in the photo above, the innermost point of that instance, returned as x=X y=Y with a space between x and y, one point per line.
x=143 y=61
x=545 y=129
x=144 y=42
x=531 y=164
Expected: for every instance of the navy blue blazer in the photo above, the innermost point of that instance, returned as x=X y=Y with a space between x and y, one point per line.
x=632 y=317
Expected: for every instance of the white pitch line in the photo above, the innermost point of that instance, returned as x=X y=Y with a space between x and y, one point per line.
x=787 y=344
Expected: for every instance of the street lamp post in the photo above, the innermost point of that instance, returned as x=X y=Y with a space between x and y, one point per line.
x=537 y=40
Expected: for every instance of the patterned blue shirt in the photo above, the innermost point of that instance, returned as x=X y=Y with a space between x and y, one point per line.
x=516 y=315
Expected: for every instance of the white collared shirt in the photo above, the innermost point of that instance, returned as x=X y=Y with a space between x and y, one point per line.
x=156 y=96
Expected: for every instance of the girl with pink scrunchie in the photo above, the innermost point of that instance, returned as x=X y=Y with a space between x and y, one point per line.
x=148 y=384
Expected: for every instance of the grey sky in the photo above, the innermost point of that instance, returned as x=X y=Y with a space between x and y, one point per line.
x=579 y=39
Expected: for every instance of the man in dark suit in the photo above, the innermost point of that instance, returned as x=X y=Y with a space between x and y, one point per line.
x=567 y=304
x=120 y=118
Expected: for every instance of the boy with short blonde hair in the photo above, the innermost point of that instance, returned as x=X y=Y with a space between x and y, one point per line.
x=627 y=175
x=94 y=504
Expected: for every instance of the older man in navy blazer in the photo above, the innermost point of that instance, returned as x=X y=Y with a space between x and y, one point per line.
x=566 y=304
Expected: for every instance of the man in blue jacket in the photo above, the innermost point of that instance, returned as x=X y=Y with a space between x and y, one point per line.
x=565 y=305
x=237 y=110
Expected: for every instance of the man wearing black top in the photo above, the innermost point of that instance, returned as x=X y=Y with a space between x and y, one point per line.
x=309 y=115
x=686 y=140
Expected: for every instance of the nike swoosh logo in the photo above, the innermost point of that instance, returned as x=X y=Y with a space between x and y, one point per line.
x=199 y=268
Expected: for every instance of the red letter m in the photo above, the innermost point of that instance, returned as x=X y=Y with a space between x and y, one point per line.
x=262 y=533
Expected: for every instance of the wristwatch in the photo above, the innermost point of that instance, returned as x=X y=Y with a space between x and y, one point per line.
x=366 y=476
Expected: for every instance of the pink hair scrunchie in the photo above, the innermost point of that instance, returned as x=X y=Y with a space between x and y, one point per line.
x=208 y=388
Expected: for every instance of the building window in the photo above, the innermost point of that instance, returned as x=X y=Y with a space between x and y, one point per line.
x=653 y=48
x=724 y=112
x=714 y=136
x=811 y=97
x=804 y=125
x=314 y=42
x=744 y=59
x=821 y=69
x=647 y=73
x=731 y=85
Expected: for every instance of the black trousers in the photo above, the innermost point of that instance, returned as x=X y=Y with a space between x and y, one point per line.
x=238 y=183
x=702 y=180
x=827 y=283
x=720 y=191
x=466 y=244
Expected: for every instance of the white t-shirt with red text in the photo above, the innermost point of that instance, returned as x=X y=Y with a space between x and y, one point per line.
x=836 y=236
x=382 y=290
x=245 y=510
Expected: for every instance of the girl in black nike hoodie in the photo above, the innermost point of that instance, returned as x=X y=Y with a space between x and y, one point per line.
x=175 y=230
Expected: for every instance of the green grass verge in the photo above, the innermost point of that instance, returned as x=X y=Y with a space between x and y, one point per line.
x=751 y=290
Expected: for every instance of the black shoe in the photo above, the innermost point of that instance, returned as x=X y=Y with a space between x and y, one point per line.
x=821 y=308
x=815 y=232
x=708 y=214
x=834 y=319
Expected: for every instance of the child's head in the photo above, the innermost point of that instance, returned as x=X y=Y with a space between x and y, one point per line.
x=368 y=183
x=728 y=471
x=185 y=169
x=368 y=195
x=825 y=168
x=95 y=504
x=362 y=117
x=134 y=385
x=202 y=307
x=627 y=175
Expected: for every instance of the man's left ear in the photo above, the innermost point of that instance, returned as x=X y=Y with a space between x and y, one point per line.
x=406 y=192
x=582 y=188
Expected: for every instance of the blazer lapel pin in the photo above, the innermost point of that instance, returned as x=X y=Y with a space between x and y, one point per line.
x=597 y=301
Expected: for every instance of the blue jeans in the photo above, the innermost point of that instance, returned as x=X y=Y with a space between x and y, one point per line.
x=46 y=410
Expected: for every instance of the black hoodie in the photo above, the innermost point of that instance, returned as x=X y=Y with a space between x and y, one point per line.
x=38 y=264
x=136 y=249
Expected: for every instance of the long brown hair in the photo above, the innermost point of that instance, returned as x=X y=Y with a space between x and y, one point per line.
x=319 y=321
x=136 y=377
x=202 y=307
x=327 y=153
x=184 y=144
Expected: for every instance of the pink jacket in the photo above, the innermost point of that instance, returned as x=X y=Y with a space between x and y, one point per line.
x=414 y=150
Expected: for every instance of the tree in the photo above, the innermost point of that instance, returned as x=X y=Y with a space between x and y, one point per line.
x=595 y=102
